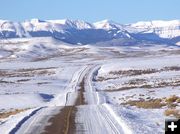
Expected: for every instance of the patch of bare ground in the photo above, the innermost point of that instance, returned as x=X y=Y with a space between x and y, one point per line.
x=135 y=72
x=14 y=112
x=27 y=72
x=126 y=73
x=171 y=68
x=143 y=83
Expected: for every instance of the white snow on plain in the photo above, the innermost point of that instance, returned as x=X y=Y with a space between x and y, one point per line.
x=56 y=70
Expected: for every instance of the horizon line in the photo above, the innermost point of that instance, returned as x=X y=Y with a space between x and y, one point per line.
x=108 y=20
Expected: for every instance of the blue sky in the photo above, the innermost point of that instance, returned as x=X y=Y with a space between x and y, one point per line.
x=122 y=11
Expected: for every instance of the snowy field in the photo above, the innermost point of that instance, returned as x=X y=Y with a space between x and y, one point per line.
x=144 y=90
x=138 y=86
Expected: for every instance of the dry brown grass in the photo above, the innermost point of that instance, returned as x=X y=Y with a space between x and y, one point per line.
x=172 y=99
x=147 y=104
x=171 y=102
x=14 y=112
x=172 y=112
x=178 y=100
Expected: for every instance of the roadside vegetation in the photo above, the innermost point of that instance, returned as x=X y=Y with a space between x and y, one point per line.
x=171 y=104
x=9 y=113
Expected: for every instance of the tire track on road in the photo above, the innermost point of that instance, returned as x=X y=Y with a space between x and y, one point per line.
x=64 y=121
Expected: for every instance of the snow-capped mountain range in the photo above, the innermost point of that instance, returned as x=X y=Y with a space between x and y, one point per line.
x=81 y=32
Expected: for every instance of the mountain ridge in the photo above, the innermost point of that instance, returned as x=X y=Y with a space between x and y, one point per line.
x=82 y=32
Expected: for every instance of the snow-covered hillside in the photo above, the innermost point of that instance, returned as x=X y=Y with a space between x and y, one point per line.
x=165 y=29
x=81 y=32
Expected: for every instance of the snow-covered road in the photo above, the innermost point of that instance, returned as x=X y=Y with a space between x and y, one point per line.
x=99 y=119
x=93 y=117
